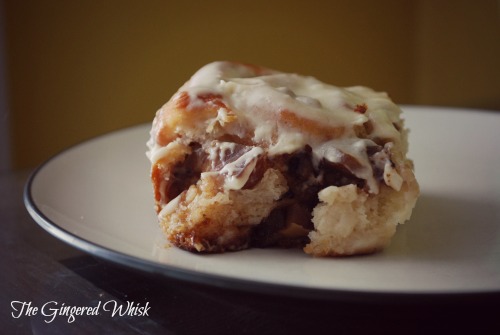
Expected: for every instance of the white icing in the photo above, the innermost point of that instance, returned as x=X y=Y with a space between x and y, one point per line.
x=156 y=152
x=334 y=151
x=391 y=177
x=237 y=172
x=288 y=142
x=255 y=97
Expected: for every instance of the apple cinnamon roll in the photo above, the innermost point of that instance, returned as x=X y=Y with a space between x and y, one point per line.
x=244 y=156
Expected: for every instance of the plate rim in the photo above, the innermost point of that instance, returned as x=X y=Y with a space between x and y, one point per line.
x=232 y=283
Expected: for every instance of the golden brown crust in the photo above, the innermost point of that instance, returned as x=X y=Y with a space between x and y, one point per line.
x=208 y=218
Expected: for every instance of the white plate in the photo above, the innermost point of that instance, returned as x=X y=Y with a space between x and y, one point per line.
x=97 y=197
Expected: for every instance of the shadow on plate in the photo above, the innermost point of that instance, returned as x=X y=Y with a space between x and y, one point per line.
x=448 y=228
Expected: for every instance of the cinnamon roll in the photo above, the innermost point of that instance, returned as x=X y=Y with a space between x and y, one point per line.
x=244 y=156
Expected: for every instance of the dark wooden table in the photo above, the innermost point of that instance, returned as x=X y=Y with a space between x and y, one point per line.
x=36 y=269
